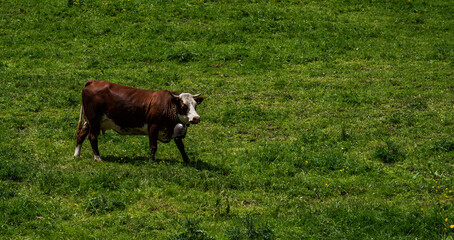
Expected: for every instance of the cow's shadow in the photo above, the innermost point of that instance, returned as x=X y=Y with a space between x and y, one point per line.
x=143 y=160
x=126 y=160
x=201 y=165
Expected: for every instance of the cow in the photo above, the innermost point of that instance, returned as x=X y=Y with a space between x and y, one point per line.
x=162 y=115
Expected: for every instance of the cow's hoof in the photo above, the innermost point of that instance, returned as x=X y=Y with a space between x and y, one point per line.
x=97 y=159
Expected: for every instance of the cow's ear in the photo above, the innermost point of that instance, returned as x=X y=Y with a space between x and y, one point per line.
x=198 y=99
x=175 y=98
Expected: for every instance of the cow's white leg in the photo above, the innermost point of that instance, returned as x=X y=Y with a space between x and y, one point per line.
x=97 y=158
x=77 y=151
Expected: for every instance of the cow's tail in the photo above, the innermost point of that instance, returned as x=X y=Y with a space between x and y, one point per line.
x=81 y=118
x=90 y=82
x=81 y=115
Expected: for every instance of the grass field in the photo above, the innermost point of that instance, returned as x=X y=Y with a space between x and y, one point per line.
x=321 y=119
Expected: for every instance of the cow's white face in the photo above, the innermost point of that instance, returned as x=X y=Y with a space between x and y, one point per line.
x=186 y=110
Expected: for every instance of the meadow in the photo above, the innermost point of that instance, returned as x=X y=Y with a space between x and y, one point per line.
x=321 y=119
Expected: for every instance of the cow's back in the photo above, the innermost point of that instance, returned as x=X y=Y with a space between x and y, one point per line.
x=126 y=106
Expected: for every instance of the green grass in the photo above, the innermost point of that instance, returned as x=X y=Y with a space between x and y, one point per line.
x=321 y=119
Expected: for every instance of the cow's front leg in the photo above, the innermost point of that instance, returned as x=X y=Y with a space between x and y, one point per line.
x=180 y=146
x=153 y=137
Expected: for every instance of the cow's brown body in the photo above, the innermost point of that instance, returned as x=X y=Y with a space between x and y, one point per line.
x=132 y=111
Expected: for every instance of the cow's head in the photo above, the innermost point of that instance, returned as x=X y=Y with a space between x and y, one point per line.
x=186 y=104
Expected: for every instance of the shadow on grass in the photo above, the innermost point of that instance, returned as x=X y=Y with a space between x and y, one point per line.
x=142 y=160
x=201 y=165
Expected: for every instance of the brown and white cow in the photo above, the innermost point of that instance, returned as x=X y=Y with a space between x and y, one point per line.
x=162 y=115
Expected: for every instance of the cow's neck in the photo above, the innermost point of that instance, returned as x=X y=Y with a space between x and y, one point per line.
x=174 y=115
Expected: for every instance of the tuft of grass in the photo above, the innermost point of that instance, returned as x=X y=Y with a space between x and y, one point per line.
x=20 y=210
x=7 y=191
x=103 y=204
x=251 y=229
x=266 y=154
x=444 y=145
x=13 y=171
x=390 y=153
x=192 y=231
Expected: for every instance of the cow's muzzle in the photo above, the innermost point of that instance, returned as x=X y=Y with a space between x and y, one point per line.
x=195 y=120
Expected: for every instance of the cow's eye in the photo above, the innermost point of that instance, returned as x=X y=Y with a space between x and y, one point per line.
x=184 y=108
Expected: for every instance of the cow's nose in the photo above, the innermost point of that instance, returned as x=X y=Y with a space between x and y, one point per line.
x=195 y=120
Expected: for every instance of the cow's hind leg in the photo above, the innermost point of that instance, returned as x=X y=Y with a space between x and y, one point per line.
x=93 y=137
x=81 y=134
x=94 y=146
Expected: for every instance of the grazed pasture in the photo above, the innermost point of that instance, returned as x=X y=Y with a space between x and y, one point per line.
x=321 y=119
